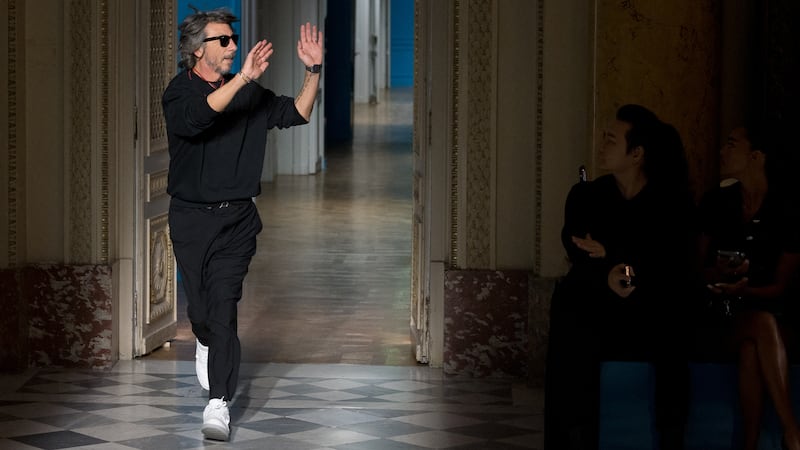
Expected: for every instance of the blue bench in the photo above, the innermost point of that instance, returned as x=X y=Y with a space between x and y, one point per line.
x=626 y=408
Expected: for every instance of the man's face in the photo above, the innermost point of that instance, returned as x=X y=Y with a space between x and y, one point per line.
x=613 y=155
x=735 y=155
x=213 y=55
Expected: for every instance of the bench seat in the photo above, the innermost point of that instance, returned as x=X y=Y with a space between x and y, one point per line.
x=714 y=422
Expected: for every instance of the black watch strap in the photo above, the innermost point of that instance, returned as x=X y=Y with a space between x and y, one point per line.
x=316 y=68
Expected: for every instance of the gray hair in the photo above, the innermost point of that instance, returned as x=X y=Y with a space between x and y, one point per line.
x=193 y=32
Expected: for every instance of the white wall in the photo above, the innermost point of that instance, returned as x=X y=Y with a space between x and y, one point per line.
x=297 y=150
x=370 y=74
x=361 y=59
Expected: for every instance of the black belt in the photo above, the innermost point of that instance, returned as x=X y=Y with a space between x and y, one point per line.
x=223 y=204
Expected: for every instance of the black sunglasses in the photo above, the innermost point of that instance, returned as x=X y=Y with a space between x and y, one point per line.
x=224 y=40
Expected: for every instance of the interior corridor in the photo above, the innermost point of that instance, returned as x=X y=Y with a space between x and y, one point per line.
x=330 y=282
x=324 y=320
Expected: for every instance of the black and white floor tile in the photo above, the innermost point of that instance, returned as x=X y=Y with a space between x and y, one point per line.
x=159 y=405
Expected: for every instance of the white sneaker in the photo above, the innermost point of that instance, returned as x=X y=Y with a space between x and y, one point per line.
x=201 y=364
x=216 y=419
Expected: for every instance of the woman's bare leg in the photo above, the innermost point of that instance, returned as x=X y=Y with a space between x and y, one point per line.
x=751 y=393
x=762 y=329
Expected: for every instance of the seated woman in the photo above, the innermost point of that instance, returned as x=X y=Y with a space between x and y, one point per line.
x=750 y=245
x=640 y=215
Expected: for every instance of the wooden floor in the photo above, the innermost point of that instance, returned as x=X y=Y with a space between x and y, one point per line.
x=330 y=282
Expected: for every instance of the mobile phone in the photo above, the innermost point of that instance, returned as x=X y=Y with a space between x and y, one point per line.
x=734 y=258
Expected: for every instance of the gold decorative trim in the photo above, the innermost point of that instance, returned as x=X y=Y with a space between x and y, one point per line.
x=104 y=127
x=11 y=71
x=479 y=119
x=80 y=148
x=162 y=61
x=160 y=269
x=538 y=156
x=89 y=117
x=416 y=182
x=157 y=185
x=454 y=154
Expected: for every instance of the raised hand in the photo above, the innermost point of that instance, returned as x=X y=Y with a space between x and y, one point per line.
x=257 y=60
x=309 y=46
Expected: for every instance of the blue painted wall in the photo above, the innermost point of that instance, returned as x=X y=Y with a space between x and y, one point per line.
x=204 y=5
x=402 y=43
x=339 y=67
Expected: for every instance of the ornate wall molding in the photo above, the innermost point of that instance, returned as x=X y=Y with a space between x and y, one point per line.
x=11 y=91
x=157 y=185
x=479 y=118
x=454 y=154
x=80 y=142
x=160 y=267
x=162 y=68
x=104 y=138
x=417 y=309
x=538 y=157
x=88 y=178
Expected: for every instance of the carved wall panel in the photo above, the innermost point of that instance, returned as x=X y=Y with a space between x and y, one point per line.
x=479 y=119
x=103 y=69
x=157 y=185
x=160 y=270
x=418 y=265
x=454 y=153
x=88 y=139
x=162 y=67
x=80 y=143
x=538 y=157
x=12 y=177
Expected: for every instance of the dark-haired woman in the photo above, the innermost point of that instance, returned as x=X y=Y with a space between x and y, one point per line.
x=751 y=248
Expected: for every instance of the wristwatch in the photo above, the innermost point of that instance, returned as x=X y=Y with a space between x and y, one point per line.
x=316 y=68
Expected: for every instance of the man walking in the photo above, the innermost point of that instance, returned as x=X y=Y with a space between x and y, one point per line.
x=217 y=126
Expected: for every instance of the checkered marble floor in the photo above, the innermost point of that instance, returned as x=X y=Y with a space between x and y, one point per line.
x=159 y=405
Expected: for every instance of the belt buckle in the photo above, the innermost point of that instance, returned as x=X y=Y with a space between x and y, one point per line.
x=224 y=205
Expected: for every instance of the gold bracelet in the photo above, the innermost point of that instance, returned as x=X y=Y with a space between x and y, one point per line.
x=245 y=77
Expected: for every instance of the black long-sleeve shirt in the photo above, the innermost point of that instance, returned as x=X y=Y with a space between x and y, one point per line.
x=653 y=232
x=218 y=156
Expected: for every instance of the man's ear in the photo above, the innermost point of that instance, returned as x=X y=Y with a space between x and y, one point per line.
x=199 y=52
x=638 y=154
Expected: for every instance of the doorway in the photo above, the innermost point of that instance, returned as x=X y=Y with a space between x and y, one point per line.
x=330 y=282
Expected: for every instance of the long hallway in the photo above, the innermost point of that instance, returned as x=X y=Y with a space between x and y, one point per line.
x=324 y=325
x=330 y=282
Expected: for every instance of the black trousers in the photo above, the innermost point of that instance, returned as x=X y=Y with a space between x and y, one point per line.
x=213 y=247
x=587 y=329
